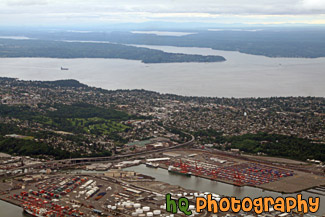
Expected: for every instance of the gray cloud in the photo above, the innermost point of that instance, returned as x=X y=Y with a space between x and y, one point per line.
x=26 y=2
x=144 y=10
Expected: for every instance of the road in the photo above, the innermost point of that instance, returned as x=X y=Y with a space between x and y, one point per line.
x=74 y=161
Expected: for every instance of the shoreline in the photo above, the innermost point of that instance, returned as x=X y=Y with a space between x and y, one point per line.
x=5 y=197
x=11 y=202
x=258 y=187
x=217 y=180
x=149 y=90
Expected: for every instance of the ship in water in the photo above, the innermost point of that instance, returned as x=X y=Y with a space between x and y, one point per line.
x=54 y=211
x=38 y=212
x=153 y=165
x=176 y=170
x=64 y=68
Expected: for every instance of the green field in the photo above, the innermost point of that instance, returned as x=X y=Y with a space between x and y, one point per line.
x=97 y=126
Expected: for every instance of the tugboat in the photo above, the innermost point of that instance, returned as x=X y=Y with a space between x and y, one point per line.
x=176 y=170
x=64 y=68
x=153 y=165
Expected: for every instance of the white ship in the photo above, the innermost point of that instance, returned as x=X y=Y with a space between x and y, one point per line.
x=36 y=211
x=153 y=165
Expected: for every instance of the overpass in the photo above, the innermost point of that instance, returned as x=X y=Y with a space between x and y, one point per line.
x=75 y=161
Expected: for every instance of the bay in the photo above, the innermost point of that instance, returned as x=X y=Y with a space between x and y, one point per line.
x=242 y=75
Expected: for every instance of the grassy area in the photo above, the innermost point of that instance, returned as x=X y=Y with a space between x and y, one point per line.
x=43 y=119
x=28 y=138
x=98 y=125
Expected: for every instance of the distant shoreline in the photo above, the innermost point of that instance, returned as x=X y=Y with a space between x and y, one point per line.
x=13 y=48
x=139 y=89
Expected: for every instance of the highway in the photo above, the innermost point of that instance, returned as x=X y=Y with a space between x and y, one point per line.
x=74 y=161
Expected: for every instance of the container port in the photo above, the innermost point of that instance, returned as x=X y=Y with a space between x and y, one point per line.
x=94 y=195
x=237 y=171
x=115 y=192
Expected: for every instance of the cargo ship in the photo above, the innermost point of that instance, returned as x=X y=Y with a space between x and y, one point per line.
x=64 y=69
x=175 y=170
x=153 y=165
x=36 y=211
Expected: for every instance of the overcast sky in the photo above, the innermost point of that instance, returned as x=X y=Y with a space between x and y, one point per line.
x=47 y=12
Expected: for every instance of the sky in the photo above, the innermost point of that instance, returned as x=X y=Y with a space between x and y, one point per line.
x=71 y=12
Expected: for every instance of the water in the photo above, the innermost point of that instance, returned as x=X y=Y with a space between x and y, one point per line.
x=205 y=185
x=242 y=75
x=9 y=210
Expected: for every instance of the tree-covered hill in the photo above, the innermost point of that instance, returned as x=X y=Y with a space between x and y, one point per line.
x=60 y=49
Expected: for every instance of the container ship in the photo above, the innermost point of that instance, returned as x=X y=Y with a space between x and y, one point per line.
x=175 y=170
x=38 y=212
